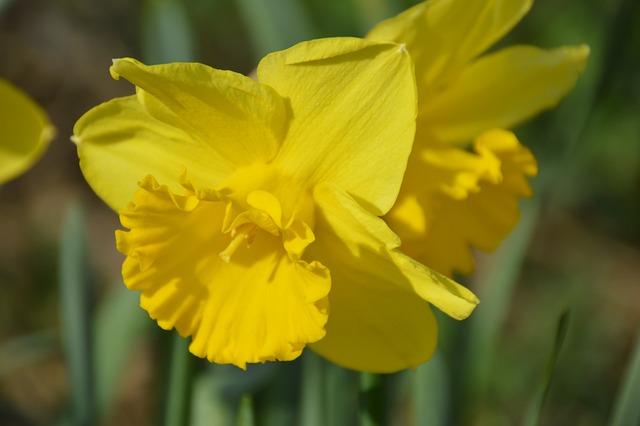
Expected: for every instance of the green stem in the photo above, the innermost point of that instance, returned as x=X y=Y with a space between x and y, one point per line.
x=75 y=289
x=371 y=400
x=180 y=383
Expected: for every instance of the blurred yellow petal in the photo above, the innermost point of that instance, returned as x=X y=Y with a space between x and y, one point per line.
x=502 y=89
x=451 y=199
x=380 y=319
x=354 y=106
x=470 y=202
x=517 y=161
x=258 y=306
x=443 y=36
x=25 y=131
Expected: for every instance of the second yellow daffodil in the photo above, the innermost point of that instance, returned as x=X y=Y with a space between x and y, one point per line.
x=466 y=172
x=255 y=227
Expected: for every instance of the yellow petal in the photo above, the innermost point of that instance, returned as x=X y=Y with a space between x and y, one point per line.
x=380 y=319
x=242 y=120
x=119 y=143
x=470 y=202
x=373 y=328
x=353 y=104
x=184 y=115
x=502 y=89
x=443 y=36
x=259 y=306
x=25 y=131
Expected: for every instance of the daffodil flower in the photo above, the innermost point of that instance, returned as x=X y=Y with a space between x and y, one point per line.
x=25 y=132
x=466 y=172
x=255 y=228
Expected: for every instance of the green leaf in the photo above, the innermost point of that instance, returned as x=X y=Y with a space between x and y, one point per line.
x=371 y=400
x=209 y=406
x=535 y=411
x=75 y=301
x=496 y=284
x=180 y=383
x=341 y=395
x=119 y=325
x=626 y=410
x=277 y=402
x=166 y=33
x=275 y=24
x=432 y=392
x=245 y=412
x=312 y=403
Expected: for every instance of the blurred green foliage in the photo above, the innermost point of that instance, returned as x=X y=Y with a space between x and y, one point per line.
x=577 y=248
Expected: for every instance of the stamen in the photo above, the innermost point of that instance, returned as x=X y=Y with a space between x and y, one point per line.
x=246 y=232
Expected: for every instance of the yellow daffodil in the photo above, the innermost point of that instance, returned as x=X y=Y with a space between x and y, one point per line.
x=466 y=173
x=255 y=226
x=25 y=131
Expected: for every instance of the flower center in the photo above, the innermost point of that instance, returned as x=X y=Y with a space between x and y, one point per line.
x=243 y=233
x=260 y=197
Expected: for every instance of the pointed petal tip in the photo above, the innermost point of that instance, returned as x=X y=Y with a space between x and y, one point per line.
x=116 y=66
x=112 y=69
x=584 y=48
x=582 y=53
x=576 y=54
x=470 y=303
